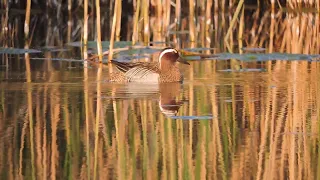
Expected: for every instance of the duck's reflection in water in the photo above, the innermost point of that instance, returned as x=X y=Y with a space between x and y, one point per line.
x=166 y=93
x=168 y=103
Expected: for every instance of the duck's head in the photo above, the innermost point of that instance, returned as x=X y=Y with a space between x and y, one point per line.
x=169 y=56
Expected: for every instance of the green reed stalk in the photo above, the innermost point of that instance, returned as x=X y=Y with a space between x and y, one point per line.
x=136 y=23
x=98 y=22
x=113 y=30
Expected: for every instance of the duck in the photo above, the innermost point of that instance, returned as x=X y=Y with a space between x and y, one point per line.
x=165 y=70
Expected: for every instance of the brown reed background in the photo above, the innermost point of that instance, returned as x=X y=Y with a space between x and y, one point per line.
x=54 y=128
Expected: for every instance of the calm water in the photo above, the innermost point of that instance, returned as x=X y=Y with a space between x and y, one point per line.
x=251 y=116
x=225 y=125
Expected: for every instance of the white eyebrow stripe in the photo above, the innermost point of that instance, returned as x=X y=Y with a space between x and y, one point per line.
x=166 y=51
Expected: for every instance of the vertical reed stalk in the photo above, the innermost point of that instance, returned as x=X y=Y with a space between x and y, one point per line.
x=167 y=12
x=5 y=28
x=202 y=23
x=216 y=15
x=85 y=38
x=69 y=20
x=146 y=27
x=5 y=21
x=118 y=26
x=240 y=33
x=27 y=24
x=98 y=22
x=26 y=36
x=272 y=5
x=272 y=28
x=192 y=27
x=136 y=23
x=178 y=14
x=176 y=38
x=113 y=30
x=157 y=21
x=208 y=15
x=159 y=15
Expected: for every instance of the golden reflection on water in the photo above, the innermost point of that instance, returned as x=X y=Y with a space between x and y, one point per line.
x=262 y=125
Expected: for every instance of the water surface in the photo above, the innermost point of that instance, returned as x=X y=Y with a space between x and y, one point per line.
x=215 y=125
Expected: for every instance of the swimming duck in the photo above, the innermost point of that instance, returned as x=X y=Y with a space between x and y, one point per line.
x=165 y=70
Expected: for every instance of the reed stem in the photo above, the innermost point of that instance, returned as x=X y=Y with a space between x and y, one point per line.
x=98 y=22
x=113 y=30
x=135 y=34
x=85 y=33
x=26 y=36
x=146 y=27
x=191 y=21
x=118 y=26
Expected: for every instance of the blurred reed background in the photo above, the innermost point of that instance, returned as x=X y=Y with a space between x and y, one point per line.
x=265 y=125
x=201 y=23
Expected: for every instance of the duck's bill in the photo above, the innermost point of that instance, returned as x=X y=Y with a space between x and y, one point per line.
x=183 y=61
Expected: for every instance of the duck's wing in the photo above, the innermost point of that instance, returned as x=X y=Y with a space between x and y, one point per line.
x=124 y=66
x=138 y=71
